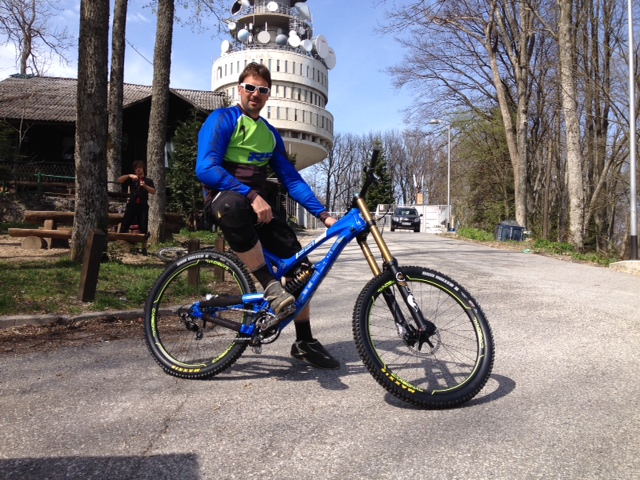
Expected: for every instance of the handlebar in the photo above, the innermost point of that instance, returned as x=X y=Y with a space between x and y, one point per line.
x=370 y=176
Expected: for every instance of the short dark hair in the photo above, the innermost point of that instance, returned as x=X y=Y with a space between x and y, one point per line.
x=139 y=163
x=257 y=70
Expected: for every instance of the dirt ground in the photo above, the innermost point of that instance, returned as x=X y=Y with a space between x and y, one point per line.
x=11 y=251
x=21 y=340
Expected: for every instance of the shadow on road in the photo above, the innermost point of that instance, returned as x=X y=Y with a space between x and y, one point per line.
x=498 y=386
x=183 y=466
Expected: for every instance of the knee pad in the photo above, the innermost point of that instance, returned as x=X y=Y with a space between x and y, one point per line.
x=236 y=219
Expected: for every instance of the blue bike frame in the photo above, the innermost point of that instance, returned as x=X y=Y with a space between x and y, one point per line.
x=345 y=229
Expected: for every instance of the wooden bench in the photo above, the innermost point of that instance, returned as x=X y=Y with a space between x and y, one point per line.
x=50 y=236
x=172 y=225
x=38 y=238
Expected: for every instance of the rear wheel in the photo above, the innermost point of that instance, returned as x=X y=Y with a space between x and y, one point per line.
x=447 y=373
x=182 y=344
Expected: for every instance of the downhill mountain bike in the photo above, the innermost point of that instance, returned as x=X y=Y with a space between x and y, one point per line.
x=420 y=334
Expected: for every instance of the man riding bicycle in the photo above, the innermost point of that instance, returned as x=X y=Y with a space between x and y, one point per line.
x=235 y=146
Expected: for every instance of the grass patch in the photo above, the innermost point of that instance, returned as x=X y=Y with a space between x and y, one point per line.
x=544 y=247
x=206 y=238
x=560 y=248
x=52 y=287
x=476 y=234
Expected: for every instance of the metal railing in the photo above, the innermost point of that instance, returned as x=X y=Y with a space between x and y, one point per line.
x=25 y=171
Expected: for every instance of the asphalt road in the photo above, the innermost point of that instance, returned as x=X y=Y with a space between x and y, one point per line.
x=561 y=402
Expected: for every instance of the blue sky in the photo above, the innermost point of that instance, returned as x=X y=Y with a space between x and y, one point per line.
x=361 y=96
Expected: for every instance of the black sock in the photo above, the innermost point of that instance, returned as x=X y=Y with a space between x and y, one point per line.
x=303 y=330
x=263 y=275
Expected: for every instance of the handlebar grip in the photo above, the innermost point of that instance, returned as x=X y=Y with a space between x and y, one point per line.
x=370 y=177
x=374 y=158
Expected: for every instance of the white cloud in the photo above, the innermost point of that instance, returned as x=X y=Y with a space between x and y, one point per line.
x=54 y=68
x=8 y=64
x=137 y=17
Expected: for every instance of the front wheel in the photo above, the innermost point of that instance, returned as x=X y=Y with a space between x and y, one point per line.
x=183 y=344
x=449 y=371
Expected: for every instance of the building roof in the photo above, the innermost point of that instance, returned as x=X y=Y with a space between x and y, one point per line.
x=53 y=99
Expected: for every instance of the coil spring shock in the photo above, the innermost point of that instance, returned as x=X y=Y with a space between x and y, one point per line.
x=300 y=278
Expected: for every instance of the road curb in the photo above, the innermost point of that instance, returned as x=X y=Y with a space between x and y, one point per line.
x=627 y=266
x=41 y=320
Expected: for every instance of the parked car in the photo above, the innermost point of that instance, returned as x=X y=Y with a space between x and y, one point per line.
x=405 y=217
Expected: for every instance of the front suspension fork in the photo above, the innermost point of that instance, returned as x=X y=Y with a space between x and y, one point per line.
x=425 y=327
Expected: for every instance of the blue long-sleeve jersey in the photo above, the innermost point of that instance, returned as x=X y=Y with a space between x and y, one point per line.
x=234 y=150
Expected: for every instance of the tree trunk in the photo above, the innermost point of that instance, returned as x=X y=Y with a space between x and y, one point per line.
x=158 y=117
x=114 y=142
x=502 y=28
x=91 y=127
x=575 y=183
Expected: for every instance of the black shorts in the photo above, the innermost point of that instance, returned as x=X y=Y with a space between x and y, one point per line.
x=233 y=214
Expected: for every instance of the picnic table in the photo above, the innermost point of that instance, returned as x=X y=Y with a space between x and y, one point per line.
x=56 y=229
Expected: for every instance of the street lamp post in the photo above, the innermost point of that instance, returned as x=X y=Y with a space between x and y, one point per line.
x=448 y=125
x=633 y=236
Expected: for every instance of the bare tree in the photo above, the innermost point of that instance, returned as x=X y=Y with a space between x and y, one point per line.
x=116 y=93
x=568 y=81
x=157 y=140
x=512 y=24
x=91 y=129
x=27 y=24
x=473 y=55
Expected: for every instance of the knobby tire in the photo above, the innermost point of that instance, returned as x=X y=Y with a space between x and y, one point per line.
x=173 y=339
x=447 y=375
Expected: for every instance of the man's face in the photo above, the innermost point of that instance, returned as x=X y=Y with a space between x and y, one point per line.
x=253 y=102
x=139 y=172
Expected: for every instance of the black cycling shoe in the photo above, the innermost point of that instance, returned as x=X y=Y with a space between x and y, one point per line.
x=314 y=354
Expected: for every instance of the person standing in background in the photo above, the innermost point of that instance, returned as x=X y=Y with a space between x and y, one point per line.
x=140 y=187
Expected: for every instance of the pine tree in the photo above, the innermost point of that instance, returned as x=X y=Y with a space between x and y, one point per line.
x=382 y=191
x=184 y=191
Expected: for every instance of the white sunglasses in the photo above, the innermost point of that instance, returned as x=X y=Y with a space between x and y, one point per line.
x=252 y=88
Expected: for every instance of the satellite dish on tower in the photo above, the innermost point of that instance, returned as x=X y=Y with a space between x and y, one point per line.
x=330 y=61
x=264 y=37
x=226 y=45
x=282 y=40
x=272 y=6
x=307 y=45
x=321 y=45
x=243 y=34
x=305 y=13
x=294 y=40
x=239 y=5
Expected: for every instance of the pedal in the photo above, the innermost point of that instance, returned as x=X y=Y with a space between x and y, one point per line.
x=272 y=321
x=289 y=310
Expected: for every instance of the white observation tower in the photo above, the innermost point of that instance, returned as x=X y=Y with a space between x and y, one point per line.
x=279 y=34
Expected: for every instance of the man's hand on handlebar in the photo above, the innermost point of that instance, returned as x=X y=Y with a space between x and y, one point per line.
x=329 y=221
